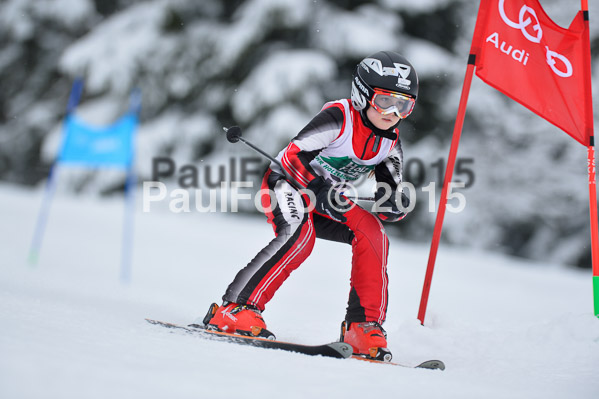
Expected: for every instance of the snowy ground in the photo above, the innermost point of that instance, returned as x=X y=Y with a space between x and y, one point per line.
x=70 y=329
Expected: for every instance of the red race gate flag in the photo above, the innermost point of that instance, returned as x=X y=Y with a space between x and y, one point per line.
x=521 y=52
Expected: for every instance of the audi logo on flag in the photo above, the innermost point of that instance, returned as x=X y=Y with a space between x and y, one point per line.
x=526 y=16
x=524 y=21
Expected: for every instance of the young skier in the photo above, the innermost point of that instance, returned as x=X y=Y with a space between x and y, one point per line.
x=345 y=140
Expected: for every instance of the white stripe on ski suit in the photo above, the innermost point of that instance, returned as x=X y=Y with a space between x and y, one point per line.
x=282 y=266
x=294 y=172
x=280 y=188
x=383 y=275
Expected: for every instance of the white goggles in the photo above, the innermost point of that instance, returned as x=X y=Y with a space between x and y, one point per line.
x=389 y=102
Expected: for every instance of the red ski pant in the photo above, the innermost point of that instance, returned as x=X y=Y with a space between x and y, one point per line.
x=295 y=232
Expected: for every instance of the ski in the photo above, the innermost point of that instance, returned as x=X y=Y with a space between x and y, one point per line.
x=338 y=350
x=429 y=364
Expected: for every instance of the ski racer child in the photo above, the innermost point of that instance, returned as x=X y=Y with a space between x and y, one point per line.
x=348 y=138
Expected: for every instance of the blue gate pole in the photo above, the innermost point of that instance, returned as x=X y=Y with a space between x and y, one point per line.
x=42 y=217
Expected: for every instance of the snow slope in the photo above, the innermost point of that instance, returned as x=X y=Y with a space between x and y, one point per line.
x=69 y=328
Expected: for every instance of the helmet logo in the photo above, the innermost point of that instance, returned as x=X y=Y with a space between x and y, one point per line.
x=358 y=100
x=402 y=71
x=362 y=88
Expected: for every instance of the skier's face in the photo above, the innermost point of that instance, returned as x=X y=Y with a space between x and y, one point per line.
x=380 y=121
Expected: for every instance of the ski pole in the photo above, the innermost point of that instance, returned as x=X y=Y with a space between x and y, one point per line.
x=234 y=136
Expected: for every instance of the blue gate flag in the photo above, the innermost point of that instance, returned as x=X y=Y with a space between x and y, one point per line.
x=98 y=146
x=95 y=147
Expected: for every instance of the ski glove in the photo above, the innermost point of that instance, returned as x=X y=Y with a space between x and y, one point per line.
x=385 y=206
x=325 y=201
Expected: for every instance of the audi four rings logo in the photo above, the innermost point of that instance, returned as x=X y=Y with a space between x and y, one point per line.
x=529 y=25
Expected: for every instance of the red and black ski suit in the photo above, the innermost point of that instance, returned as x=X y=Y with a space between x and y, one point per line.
x=338 y=129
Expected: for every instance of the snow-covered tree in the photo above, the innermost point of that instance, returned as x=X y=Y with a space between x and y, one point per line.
x=268 y=66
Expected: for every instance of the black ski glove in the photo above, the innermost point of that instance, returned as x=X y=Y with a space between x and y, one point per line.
x=325 y=201
x=387 y=210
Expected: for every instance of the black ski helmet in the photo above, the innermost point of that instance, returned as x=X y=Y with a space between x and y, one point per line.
x=385 y=70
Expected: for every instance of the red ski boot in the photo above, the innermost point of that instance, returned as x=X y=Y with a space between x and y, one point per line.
x=368 y=339
x=239 y=319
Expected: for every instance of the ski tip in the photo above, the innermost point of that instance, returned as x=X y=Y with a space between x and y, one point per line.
x=162 y=323
x=432 y=365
